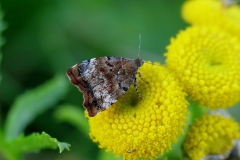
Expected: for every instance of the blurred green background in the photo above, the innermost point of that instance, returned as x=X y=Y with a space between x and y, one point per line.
x=45 y=38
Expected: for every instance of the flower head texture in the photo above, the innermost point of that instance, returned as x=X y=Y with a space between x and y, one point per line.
x=212 y=12
x=206 y=60
x=211 y=134
x=144 y=127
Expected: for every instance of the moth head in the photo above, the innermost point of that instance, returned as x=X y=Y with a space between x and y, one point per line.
x=139 y=62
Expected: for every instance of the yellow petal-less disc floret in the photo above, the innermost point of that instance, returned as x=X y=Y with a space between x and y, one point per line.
x=144 y=127
x=211 y=134
x=207 y=62
x=212 y=12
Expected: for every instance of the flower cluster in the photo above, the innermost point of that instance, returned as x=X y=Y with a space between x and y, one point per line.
x=213 y=13
x=202 y=62
x=136 y=127
x=206 y=60
x=211 y=134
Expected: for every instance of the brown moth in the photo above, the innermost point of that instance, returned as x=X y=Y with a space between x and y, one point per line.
x=103 y=80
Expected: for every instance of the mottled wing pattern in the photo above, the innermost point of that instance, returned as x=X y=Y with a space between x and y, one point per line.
x=103 y=80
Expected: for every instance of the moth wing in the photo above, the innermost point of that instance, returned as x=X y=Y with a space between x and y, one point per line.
x=106 y=89
x=103 y=80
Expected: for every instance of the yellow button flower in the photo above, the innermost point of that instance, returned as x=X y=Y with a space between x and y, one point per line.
x=212 y=12
x=207 y=62
x=211 y=134
x=144 y=127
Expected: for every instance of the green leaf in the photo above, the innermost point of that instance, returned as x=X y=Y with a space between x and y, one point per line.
x=32 y=103
x=32 y=143
x=3 y=150
x=107 y=155
x=196 y=111
x=177 y=151
x=62 y=146
x=73 y=115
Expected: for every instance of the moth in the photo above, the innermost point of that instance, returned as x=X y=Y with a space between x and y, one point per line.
x=103 y=80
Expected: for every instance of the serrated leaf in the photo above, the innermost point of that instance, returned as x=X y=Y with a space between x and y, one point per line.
x=73 y=115
x=32 y=103
x=31 y=143
x=62 y=146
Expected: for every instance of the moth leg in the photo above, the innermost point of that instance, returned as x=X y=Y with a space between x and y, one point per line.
x=135 y=87
x=140 y=75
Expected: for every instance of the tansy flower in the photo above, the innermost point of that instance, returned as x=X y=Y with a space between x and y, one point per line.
x=211 y=134
x=212 y=12
x=144 y=127
x=207 y=62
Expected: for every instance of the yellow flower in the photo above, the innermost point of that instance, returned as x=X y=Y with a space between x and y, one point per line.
x=211 y=134
x=212 y=12
x=143 y=128
x=207 y=62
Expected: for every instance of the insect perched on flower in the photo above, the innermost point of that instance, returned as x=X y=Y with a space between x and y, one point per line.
x=143 y=128
x=103 y=80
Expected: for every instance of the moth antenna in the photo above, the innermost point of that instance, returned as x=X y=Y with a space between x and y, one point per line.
x=139 y=46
